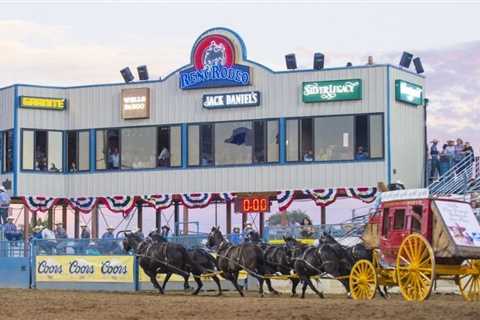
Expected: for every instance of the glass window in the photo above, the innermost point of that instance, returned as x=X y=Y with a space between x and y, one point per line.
x=399 y=219
x=27 y=149
x=233 y=143
x=362 y=146
x=175 y=146
x=55 y=151
x=376 y=136
x=8 y=151
x=138 y=148
x=259 y=145
x=385 y=222
x=108 y=149
x=272 y=141
x=193 y=146
x=292 y=140
x=334 y=138
x=72 y=151
x=207 y=155
x=41 y=161
x=306 y=138
x=83 y=151
x=101 y=150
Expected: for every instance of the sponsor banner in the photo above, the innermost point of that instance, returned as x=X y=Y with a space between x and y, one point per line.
x=409 y=194
x=408 y=92
x=84 y=268
x=43 y=103
x=336 y=90
x=135 y=103
x=231 y=100
x=461 y=222
x=214 y=64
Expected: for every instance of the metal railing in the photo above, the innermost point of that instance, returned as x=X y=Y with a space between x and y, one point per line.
x=313 y=231
x=91 y=247
x=14 y=248
x=459 y=179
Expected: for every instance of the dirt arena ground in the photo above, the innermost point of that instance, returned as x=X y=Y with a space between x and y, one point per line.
x=52 y=304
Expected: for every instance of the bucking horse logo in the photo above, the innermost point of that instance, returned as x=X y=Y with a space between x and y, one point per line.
x=214 y=55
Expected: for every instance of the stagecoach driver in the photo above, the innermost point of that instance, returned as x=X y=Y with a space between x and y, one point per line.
x=250 y=234
x=4 y=204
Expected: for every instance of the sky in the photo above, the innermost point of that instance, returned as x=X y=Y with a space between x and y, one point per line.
x=66 y=43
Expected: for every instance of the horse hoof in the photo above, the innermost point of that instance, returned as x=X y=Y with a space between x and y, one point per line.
x=321 y=296
x=293 y=295
x=275 y=293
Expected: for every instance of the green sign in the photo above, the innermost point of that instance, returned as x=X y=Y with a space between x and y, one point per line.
x=408 y=92
x=337 y=90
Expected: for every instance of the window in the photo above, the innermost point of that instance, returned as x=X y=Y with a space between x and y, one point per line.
x=233 y=143
x=193 y=145
x=42 y=150
x=272 y=141
x=259 y=142
x=292 y=140
x=306 y=138
x=138 y=148
x=417 y=218
x=385 y=222
x=333 y=138
x=7 y=153
x=169 y=153
x=78 y=151
x=108 y=149
x=207 y=155
x=362 y=145
x=376 y=136
x=399 y=219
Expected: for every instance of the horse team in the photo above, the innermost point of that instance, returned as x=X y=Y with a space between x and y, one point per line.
x=293 y=260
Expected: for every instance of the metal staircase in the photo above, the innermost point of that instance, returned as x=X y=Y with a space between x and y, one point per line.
x=461 y=179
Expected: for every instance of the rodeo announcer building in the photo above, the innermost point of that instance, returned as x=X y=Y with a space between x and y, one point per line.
x=220 y=123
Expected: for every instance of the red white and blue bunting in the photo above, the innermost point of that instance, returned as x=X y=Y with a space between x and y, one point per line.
x=366 y=194
x=158 y=201
x=196 y=200
x=82 y=204
x=322 y=197
x=227 y=196
x=123 y=204
x=39 y=203
x=285 y=199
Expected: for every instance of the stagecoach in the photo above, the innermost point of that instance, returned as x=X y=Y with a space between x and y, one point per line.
x=416 y=240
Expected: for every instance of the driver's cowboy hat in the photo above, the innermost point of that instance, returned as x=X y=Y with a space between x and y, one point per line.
x=2 y=188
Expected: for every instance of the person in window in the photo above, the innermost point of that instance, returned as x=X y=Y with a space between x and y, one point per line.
x=205 y=160
x=307 y=228
x=73 y=167
x=4 y=204
x=114 y=159
x=308 y=156
x=361 y=154
x=164 y=158
x=53 y=168
x=11 y=231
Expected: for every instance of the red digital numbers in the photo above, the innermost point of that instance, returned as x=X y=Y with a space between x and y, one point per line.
x=253 y=204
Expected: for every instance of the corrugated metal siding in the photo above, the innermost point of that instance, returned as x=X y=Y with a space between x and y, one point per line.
x=407 y=135
x=96 y=107
x=6 y=108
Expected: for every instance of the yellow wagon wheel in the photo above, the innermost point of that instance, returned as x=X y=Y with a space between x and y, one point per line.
x=469 y=283
x=415 y=268
x=363 y=280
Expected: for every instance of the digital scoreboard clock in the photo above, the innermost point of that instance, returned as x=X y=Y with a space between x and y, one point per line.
x=252 y=204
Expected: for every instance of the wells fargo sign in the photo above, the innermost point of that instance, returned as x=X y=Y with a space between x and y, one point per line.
x=408 y=92
x=43 y=103
x=84 y=268
x=136 y=103
x=336 y=90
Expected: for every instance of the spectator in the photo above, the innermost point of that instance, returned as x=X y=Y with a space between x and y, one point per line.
x=85 y=234
x=308 y=156
x=4 y=204
x=107 y=244
x=459 y=151
x=73 y=167
x=53 y=168
x=84 y=238
x=307 y=228
x=11 y=232
x=444 y=161
x=47 y=239
x=235 y=238
x=60 y=232
x=164 y=158
x=165 y=230
x=435 y=162
x=361 y=154
x=36 y=233
x=250 y=234
x=114 y=159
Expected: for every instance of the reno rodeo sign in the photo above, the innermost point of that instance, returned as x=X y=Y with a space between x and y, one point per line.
x=214 y=64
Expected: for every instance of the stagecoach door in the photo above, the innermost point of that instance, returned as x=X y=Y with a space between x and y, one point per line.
x=394 y=230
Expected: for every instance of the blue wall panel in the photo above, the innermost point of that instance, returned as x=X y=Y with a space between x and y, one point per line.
x=14 y=272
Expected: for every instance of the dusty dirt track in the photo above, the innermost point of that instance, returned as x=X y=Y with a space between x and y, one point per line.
x=49 y=304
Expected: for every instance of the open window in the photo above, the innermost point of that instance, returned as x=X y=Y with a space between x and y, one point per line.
x=416 y=224
x=399 y=219
x=385 y=222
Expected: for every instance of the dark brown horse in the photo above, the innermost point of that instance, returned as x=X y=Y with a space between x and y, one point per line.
x=233 y=258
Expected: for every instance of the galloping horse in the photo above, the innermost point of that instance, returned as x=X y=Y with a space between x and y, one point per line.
x=233 y=258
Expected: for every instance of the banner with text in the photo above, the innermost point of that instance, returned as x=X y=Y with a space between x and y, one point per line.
x=84 y=268
x=408 y=92
x=336 y=90
x=231 y=100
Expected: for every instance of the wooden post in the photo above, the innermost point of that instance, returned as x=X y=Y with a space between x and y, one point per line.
x=261 y=223
x=283 y=218
x=228 y=205
x=158 y=219
x=64 y=216
x=244 y=220
x=176 y=219
x=26 y=223
x=77 y=223
x=140 y=217
x=50 y=218
x=185 y=220
x=95 y=222
x=323 y=215
x=34 y=219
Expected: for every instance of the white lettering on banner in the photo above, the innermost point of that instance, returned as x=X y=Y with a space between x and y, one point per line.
x=411 y=93
x=330 y=91
x=134 y=103
x=232 y=100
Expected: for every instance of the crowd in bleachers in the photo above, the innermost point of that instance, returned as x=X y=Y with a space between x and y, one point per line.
x=447 y=156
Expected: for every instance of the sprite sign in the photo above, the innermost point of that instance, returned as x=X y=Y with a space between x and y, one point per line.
x=408 y=92
x=336 y=90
